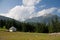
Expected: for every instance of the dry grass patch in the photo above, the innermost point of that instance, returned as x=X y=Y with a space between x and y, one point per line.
x=27 y=36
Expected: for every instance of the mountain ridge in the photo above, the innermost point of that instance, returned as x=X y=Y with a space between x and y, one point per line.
x=45 y=18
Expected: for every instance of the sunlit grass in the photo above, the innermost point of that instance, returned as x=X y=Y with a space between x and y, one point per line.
x=3 y=29
x=27 y=36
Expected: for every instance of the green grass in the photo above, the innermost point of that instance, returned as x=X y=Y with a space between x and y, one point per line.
x=2 y=29
x=27 y=36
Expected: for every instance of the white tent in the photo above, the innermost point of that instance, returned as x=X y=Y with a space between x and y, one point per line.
x=12 y=29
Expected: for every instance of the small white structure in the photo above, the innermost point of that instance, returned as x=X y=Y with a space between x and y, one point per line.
x=12 y=29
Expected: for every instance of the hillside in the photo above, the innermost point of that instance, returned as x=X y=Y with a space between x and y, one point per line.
x=47 y=18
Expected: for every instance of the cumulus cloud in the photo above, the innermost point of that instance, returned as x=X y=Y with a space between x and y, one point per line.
x=24 y=11
x=20 y=12
x=27 y=10
x=30 y=2
x=44 y=12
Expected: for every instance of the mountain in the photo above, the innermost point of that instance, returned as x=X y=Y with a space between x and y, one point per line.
x=9 y=19
x=5 y=18
x=45 y=18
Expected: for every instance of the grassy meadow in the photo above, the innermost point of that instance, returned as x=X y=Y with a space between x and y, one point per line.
x=27 y=36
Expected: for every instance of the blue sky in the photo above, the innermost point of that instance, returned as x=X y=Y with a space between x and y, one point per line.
x=6 y=5
x=24 y=9
x=48 y=4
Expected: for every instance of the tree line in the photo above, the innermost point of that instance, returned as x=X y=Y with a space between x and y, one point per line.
x=52 y=26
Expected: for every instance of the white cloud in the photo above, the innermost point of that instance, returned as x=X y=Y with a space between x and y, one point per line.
x=30 y=2
x=26 y=11
x=44 y=12
x=20 y=12
x=58 y=10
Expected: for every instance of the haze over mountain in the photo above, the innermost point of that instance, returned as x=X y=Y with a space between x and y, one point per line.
x=47 y=18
